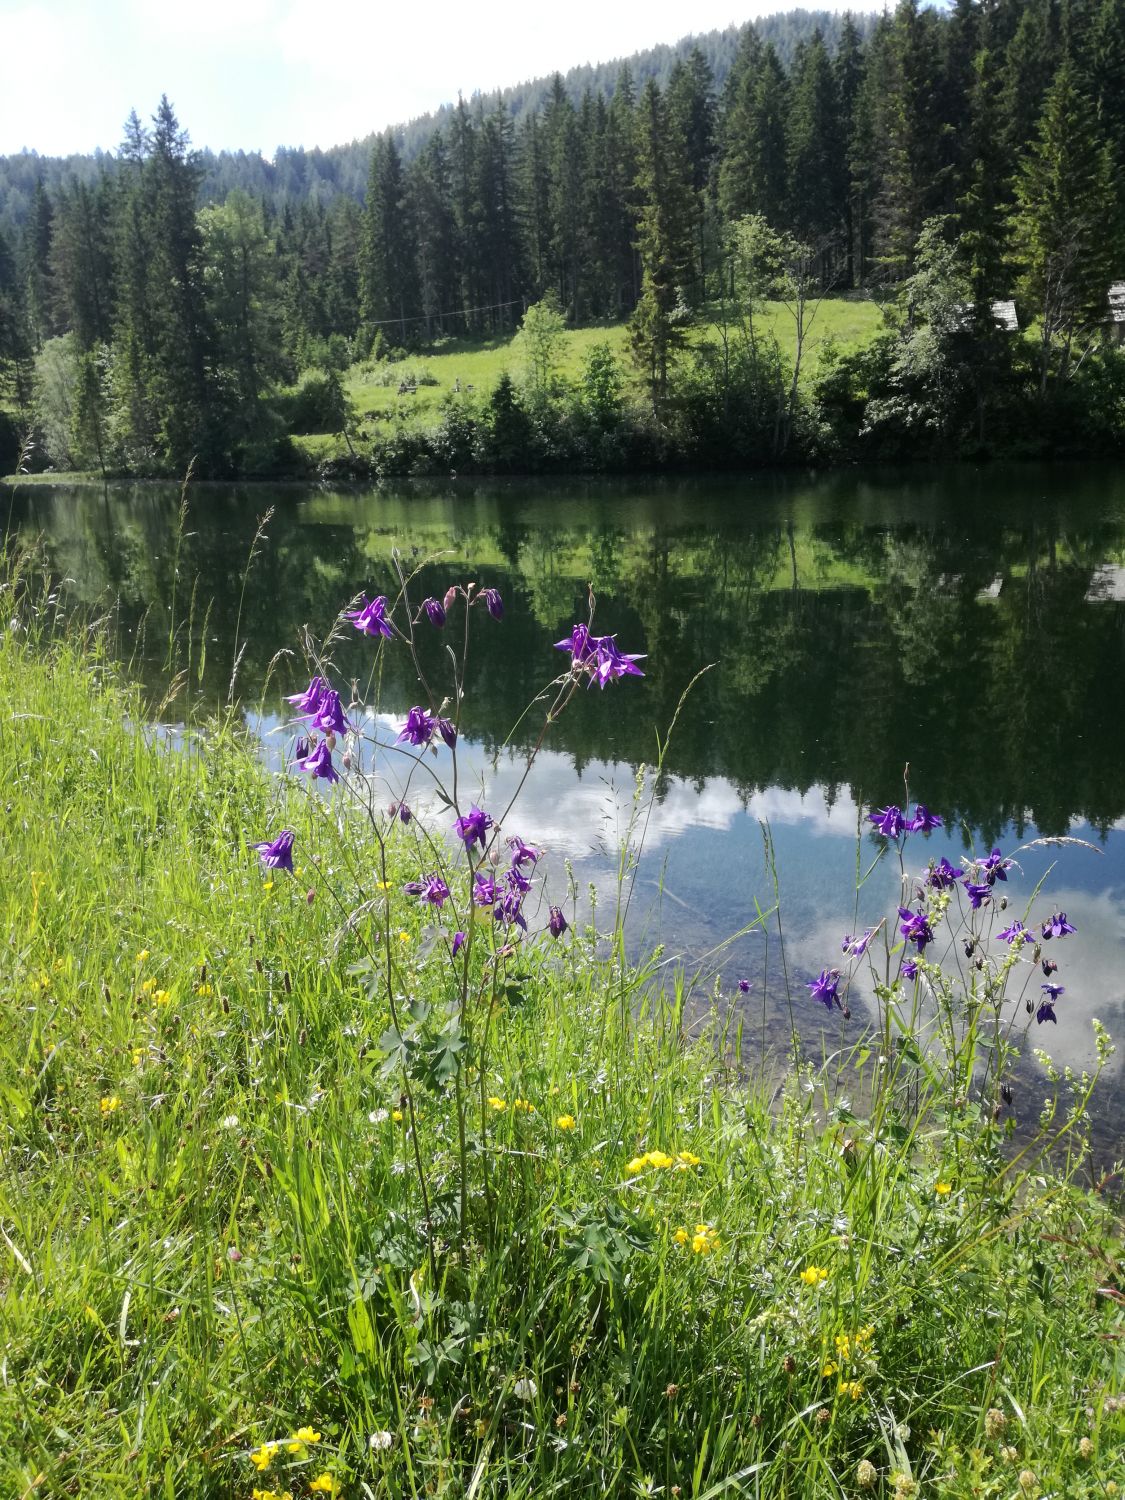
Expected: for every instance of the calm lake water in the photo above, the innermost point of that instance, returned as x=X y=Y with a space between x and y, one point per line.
x=970 y=623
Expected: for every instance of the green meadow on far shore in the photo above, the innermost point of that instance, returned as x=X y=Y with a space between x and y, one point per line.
x=265 y=1231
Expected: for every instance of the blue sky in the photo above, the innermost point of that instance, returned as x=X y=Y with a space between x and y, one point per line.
x=261 y=73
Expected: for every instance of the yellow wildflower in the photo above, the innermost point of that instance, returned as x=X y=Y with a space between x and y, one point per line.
x=941 y=1187
x=404 y=937
x=852 y=1388
x=638 y=1164
x=148 y=985
x=324 y=1484
x=262 y=1457
x=109 y=1104
x=681 y=1236
x=704 y=1240
x=204 y=990
x=499 y=1105
x=830 y=1368
x=814 y=1275
x=138 y=1056
x=307 y=1435
x=161 y=997
x=382 y=885
x=524 y=1104
x=396 y=1116
x=267 y=885
x=142 y=955
x=688 y=1159
x=566 y=1122
x=660 y=1159
x=271 y=1494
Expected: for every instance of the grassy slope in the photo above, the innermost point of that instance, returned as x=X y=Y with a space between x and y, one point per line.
x=481 y=363
x=188 y=1068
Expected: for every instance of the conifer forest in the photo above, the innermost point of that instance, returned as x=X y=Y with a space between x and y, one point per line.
x=962 y=168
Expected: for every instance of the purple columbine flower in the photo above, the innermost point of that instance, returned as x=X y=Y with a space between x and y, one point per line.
x=995 y=867
x=523 y=854
x=1056 y=925
x=301 y=747
x=277 y=854
x=1046 y=1012
x=888 y=821
x=744 y=986
x=915 y=928
x=448 y=731
x=493 y=603
x=516 y=880
x=319 y=763
x=433 y=890
x=485 y=889
x=943 y=875
x=435 y=612
x=459 y=941
x=979 y=895
x=557 y=923
x=419 y=727
x=1053 y=991
x=581 y=645
x=329 y=716
x=910 y=968
x=857 y=946
x=610 y=663
x=371 y=618
x=1016 y=931
x=473 y=827
x=507 y=910
x=309 y=701
x=923 y=820
x=401 y=811
x=826 y=987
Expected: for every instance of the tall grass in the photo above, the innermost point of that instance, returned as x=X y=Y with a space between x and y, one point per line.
x=212 y=1228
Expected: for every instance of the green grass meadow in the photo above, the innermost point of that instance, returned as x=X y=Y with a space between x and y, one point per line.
x=233 y=1260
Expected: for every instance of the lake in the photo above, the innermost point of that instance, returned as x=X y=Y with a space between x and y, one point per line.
x=969 y=623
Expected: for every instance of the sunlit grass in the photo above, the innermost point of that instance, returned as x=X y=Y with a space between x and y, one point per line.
x=676 y=1282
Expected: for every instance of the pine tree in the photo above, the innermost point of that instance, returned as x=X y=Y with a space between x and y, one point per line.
x=848 y=68
x=388 y=283
x=35 y=267
x=431 y=209
x=664 y=241
x=691 y=113
x=1066 y=223
x=815 y=149
x=82 y=263
x=1107 y=78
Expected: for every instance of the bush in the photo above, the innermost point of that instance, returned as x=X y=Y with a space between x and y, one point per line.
x=315 y=404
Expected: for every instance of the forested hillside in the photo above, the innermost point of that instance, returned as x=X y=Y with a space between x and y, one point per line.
x=964 y=156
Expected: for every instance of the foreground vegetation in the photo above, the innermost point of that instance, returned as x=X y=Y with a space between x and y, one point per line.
x=297 y=1200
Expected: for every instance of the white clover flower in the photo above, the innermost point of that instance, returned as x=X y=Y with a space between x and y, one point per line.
x=525 y=1389
x=379 y=1442
x=377 y=1116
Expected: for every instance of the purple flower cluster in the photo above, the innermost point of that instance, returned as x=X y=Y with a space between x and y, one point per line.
x=473 y=827
x=420 y=728
x=598 y=656
x=826 y=988
x=891 y=822
x=915 y=928
x=432 y=890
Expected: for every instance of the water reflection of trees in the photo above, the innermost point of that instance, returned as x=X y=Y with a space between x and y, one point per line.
x=851 y=632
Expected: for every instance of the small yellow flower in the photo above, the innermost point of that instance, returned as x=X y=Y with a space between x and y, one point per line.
x=204 y=990
x=404 y=937
x=262 y=1457
x=660 y=1159
x=941 y=1187
x=138 y=1055
x=161 y=997
x=267 y=885
x=499 y=1105
x=566 y=1122
x=852 y=1388
x=688 y=1159
x=324 y=1484
x=307 y=1435
x=396 y=1116
x=525 y=1105
x=830 y=1368
x=271 y=1494
x=638 y=1164
x=814 y=1275
x=382 y=885
x=109 y=1104
x=704 y=1240
x=147 y=986
x=681 y=1236
x=142 y=955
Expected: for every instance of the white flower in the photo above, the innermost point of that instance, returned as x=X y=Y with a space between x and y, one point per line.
x=525 y=1389
x=377 y=1116
x=379 y=1442
x=230 y=1122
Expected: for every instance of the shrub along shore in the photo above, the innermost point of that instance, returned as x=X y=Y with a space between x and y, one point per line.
x=233 y=1261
